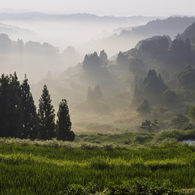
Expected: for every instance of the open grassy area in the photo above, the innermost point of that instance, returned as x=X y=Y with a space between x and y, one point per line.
x=37 y=167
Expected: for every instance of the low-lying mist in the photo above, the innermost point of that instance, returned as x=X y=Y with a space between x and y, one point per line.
x=76 y=30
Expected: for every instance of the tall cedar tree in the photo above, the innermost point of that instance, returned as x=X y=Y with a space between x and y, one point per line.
x=46 y=116
x=15 y=115
x=4 y=109
x=29 y=111
x=64 y=123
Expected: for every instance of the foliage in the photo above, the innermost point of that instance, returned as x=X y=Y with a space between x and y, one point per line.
x=137 y=186
x=179 y=121
x=149 y=125
x=186 y=79
x=29 y=111
x=77 y=189
x=137 y=67
x=188 y=32
x=158 y=111
x=122 y=59
x=46 y=116
x=192 y=112
x=154 y=47
x=179 y=135
x=94 y=95
x=153 y=84
x=64 y=124
x=181 y=50
x=103 y=57
x=169 y=97
x=144 y=108
x=14 y=118
x=91 y=63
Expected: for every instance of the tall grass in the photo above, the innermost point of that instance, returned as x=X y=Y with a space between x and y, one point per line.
x=44 y=168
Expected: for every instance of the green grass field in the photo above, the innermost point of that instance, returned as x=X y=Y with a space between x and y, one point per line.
x=37 y=167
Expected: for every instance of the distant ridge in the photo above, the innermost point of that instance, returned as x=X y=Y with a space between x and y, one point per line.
x=19 y=14
x=7 y=10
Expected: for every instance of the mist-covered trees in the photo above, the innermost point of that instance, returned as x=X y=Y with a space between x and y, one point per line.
x=95 y=69
x=179 y=121
x=154 y=47
x=122 y=59
x=46 y=116
x=137 y=67
x=18 y=116
x=151 y=88
x=63 y=123
x=94 y=95
x=169 y=97
x=181 y=50
x=186 y=78
x=103 y=57
x=144 y=108
x=92 y=63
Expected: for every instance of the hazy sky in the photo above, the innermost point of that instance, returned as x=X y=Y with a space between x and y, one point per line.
x=106 y=7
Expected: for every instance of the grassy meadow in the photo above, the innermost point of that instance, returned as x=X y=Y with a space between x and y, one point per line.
x=48 y=167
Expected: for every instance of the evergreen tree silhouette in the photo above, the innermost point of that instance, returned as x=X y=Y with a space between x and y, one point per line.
x=64 y=123
x=29 y=111
x=46 y=116
x=4 y=105
x=15 y=114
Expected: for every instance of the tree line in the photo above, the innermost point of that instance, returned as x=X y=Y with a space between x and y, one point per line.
x=19 y=117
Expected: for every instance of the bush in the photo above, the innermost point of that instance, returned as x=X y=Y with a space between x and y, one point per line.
x=168 y=114
x=179 y=135
x=137 y=186
x=179 y=121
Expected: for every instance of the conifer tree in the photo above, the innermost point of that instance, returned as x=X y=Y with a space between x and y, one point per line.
x=97 y=93
x=46 y=116
x=15 y=114
x=29 y=111
x=64 y=123
x=103 y=57
x=4 y=109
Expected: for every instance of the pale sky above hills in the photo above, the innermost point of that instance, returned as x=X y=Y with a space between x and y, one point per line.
x=105 y=7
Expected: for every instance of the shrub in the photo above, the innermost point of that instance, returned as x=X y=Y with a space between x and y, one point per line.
x=179 y=121
x=137 y=186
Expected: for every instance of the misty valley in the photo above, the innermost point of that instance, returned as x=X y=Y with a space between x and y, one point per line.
x=106 y=107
